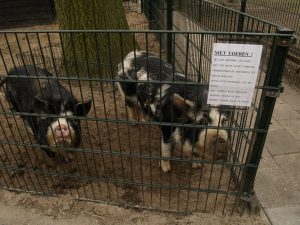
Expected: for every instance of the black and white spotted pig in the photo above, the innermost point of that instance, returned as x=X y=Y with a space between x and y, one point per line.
x=178 y=103
x=48 y=97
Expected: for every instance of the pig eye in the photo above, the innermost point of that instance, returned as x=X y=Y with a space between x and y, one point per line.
x=74 y=121
x=203 y=121
x=205 y=115
x=224 y=119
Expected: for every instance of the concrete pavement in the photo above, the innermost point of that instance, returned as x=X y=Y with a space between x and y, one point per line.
x=277 y=184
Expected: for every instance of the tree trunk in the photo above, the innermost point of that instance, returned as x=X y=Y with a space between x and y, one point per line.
x=93 y=54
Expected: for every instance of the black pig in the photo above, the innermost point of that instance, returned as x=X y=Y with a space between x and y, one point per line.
x=178 y=103
x=41 y=95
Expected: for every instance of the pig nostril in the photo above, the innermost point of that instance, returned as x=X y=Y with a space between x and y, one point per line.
x=62 y=131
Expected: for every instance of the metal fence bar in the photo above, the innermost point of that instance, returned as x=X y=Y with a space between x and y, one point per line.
x=279 y=13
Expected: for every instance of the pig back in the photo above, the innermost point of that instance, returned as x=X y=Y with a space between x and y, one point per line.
x=21 y=91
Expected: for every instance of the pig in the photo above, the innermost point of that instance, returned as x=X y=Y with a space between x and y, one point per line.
x=52 y=105
x=171 y=102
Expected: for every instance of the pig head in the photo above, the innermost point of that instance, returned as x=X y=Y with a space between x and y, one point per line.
x=54 y=109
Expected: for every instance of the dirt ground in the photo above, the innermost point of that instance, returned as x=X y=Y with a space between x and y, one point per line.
x=24 y=209
x=118 y=164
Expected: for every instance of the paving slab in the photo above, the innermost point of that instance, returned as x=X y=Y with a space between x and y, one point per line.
x=290 y=164
x=281 y=142
x=284 y=216
x=288 y=91
x=292 y=126
x=275 y=125
x=277 y=183
x=284 y=111
x=293 y=101
x=273 y=187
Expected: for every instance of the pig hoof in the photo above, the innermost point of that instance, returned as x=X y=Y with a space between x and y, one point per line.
x=70 y=156
x=67 y=159
x=142 y=119
x=29 y=130
x=165 y=166
x=196 y=165
x=50 y=153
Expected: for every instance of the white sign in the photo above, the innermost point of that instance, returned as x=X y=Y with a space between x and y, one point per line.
x=233 y=75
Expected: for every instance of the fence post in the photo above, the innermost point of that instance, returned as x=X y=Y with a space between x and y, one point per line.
x=142 y=6
x=169 y=27
x=242 y=16
x=273 y=78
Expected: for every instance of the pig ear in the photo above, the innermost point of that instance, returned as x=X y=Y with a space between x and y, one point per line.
x=82 y=109
x=180 y=102
x=39 y=105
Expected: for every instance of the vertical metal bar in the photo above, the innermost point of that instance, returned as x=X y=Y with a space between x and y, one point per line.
x=126 y=110
x=160 y=69
x=142 y=6
x=95 y=114
x=169 y=27
x=150 y=14
x=273 y=79
x=135 y=48
x=242 y=16
x=149 y=125
x=77 y=71
x=111 y=84
x=85 y=120
x=193 y=138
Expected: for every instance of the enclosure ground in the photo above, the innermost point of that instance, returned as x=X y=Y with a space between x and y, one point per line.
x=30 y=209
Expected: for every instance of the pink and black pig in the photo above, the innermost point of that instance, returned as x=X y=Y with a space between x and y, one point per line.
x=170 y=97
x=54 y=109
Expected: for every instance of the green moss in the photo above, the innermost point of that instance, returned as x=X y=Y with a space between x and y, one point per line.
x=93 y=54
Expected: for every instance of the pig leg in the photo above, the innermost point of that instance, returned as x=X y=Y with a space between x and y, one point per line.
x=130 y=100
x=139 y=113
x=131 y=111
x=165 y=152
x=28 y=127
x=196 y=165
x=166 y=148
x=192 y=153
x=134 y=112
x=49 y=153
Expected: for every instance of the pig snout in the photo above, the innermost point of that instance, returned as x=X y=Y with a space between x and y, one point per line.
x=215 y=142
x=220 y=146
x=62 y=131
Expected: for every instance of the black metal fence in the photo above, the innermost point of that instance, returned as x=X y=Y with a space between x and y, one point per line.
x=118 y=162
x=205 y=15
x=284 y=13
